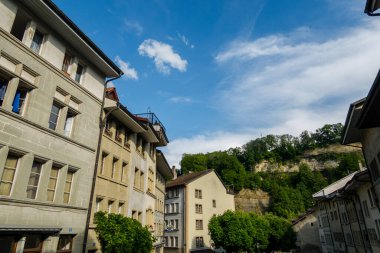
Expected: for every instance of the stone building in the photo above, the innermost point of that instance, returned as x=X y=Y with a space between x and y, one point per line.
x=191 y=202
x=306 y=227
x=348 y=215
x=51 y=86
x=131 y=174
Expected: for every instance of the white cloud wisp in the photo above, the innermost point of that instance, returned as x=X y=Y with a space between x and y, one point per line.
x=129 y=73
x=163 y=54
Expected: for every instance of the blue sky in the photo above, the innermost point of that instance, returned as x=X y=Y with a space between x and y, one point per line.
x=220 y=73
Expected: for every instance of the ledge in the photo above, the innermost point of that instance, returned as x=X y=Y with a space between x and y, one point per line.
x=39 y=203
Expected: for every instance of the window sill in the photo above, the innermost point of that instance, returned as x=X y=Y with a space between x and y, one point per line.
x=138 y=190
x=112 y=180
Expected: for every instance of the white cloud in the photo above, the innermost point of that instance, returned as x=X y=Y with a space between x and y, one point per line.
x=185 y=40
x=278 y=83
x=180 y=100
x=129 y=73
x=163 y=55
x=133 y=26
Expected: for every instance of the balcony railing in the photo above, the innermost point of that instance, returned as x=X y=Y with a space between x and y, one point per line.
x=152 y=118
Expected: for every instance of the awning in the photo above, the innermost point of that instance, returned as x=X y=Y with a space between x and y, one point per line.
x=29 y=230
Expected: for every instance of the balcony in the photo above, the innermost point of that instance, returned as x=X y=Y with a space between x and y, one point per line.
x=152 y=119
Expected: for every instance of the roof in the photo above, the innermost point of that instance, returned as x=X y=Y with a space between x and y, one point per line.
x=188 y=178
x=370 y=116
x=351 y=133
x=112 y=94
x=303 y=216
x=163 y=166
x=334 y=187
x=63 y=25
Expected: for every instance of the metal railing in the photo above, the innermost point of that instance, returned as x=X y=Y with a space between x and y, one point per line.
x=152 y=118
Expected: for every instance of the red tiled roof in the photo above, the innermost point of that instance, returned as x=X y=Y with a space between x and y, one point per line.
x=112 y=94
x=185 y=179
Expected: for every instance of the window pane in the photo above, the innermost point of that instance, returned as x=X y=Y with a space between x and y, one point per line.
x=67 y=186
x=50 y=195
x=8 y=175
x=37 y=41
x=54 y=116
x=31 y=192
x=79 y=73
x=33 y=180
x=66 y=197
x=5 y=188
x=11 y=162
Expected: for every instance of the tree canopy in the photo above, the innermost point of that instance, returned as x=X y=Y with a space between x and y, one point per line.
x=249 y=232
x=119 y=234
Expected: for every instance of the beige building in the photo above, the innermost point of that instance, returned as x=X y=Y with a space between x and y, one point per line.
x=192 y=200
x=132 y=172
x=306 y=227
x=51 y=87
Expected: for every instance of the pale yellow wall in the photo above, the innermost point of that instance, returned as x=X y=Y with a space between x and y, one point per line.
x=212 y=188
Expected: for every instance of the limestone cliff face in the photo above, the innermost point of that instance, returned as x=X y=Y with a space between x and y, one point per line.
x=311 y=158
x=252 y=201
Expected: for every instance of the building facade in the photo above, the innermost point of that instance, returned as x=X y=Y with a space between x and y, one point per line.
x=131 y=172
x=348 y=215
x=192 y=200
x=51 y=88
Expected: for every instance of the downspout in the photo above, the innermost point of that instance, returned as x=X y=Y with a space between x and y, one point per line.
x=101 y=128
x=183 y=219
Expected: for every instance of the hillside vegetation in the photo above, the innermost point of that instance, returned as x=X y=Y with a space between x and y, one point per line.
x=290 y=193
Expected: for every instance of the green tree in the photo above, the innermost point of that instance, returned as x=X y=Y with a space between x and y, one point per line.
x=281 y=236
x=239 y=232
x=193 y=162
x=119 y=234
x=328 y=134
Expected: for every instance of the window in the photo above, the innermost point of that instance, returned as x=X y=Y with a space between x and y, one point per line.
x=198 y=208
x=118 y=133
x=54 y=115
x=37 y=41
x=34 y=178
x=67 y=189
x=65 y=244
x=124 y=170
x=103 y=163
x=198 y=194
x=198 y=224
x=33 y=243
x=7 y=243
x=3 y=89
x=8 y=175
x=110 y=204
x=139 y=217
x=120 y=209
x=98 y=205
x=137 y=178
x=18 y=104
x=114 y=164
x=69 y=122
x=370 y=198
x=141 y=180
x=52 y=183
x=365 y=208
x=19 y=25
x=199 y=242
x=67 y=62
x=79 y=73
x=213 y=203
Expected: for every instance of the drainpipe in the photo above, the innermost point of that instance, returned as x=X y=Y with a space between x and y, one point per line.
x=101 y=128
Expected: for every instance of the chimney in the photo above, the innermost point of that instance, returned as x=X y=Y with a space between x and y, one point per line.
x=174 y=170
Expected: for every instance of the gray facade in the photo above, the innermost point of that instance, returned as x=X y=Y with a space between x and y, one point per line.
x=48 y=128
x=174 y=219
